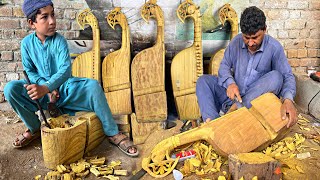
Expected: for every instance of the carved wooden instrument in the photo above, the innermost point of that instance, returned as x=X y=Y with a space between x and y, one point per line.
x=226 y=13
x=147 y=72
x=88 y=64
x=116 y=68
x=243 y=130
x=187 y=66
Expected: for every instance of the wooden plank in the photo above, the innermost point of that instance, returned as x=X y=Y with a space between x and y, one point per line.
x=88 y=64
x=187 y=65
x=147 y=72
x=141 y=131
x=116 y=68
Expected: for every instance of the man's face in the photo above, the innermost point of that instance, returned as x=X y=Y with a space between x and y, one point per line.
x=254 y=41
x=45 y=24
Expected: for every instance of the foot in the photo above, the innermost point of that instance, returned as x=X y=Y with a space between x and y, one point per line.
x=25 y=138
x=124 y=144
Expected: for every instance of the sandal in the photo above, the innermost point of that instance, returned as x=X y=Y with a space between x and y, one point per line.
x=22 y=141
x=124 y=144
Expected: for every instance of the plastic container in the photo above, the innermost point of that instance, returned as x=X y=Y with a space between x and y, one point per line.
x=184 y=155
x=303 y=155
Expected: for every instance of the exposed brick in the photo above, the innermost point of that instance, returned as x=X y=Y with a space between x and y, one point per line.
x=293 y=62
x=6 y=55
x=275 y=4
x=70 y=14
x=24 y=24
x=295 y=24
x=313 y=43
x=313 y=24
x=292 y=53
x=8 y=34
x=17 y=56
x=283 y=34
x=63 y=24
x=19 y=67
x=273 y=33
x=304 y=33
x=75 y=26
x=17 y=12
x=9 y=23
x=314 y=33
x=302 y=53
x=58 y=13
x=68 y=34
x=309 y=62
x=12 y=66
x=276 y=24
x=313 y=53
x=293 y=34
x=12 y=76
x=307 y=14
x=6 y=67
x=2 y=77
x=314 y=5
x=294 y=44
x=1 y=97
x=300 y=69
x=20 y=33
x=295 y=14
x=9 y=45
x=5 y=11
x=277 y=14
x=2 y=84
x=298 y=4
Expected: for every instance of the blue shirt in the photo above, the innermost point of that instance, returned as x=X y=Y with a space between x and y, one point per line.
x=46 y=64
x=243 y=68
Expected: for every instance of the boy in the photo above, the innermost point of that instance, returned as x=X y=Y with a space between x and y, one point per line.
x=254 y=63
x=46 y=59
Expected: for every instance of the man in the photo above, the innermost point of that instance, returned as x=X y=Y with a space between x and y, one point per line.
x=46 y=59
x=254 y=63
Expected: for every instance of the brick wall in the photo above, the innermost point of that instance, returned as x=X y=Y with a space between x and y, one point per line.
x=295 y=23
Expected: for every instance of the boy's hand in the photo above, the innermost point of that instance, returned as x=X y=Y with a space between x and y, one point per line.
x=35 y=91
x=287 y=107
x=233 y=91
x=53 y=96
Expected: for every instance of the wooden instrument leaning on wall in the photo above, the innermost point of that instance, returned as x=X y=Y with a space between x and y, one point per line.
x=229 y=134
x=187 y=66
x=147 y=72
x=226 y=13
x=116 y=68
x=88 y=64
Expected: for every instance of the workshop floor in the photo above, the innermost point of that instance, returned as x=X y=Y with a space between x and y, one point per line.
x=28 y=162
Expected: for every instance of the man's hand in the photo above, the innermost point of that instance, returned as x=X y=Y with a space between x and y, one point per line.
x=53 y=96
x=287 y=107
x=233 y=91
x=35 y=91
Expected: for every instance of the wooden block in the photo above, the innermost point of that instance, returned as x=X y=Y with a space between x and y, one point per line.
x=151 y=107
x=119 y=101
x=63 y=145
x=187 y=107
x=141 y=131
x=122 y=119
x=95 y=133
x=248 y=165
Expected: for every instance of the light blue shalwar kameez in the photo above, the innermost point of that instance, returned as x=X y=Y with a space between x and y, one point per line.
x=267 y=70
x=49 y=64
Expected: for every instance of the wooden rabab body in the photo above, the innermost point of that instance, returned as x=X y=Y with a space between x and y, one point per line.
x=88 y=64
x=116 y=68
x=147 y=72
x=187 y=66
x=241 y=131
x=226 y=13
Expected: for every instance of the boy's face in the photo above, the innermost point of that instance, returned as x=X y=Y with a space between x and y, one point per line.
x=254 y=41
x=45 y=24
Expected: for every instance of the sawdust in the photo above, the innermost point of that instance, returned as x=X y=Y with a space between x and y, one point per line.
x=254 y=158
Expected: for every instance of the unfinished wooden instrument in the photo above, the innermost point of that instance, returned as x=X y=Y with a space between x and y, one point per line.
x=226 y=13
x=116 y=68
x=88 y=64
x=147 y=72
x=187 y=66
x=230 y=134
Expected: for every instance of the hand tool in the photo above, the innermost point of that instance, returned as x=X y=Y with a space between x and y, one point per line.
x=54 y=111
x=37 y=102
x=236 y=99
